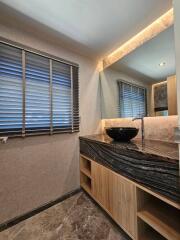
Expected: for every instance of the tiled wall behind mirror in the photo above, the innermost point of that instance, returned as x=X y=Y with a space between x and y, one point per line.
x=143 y=83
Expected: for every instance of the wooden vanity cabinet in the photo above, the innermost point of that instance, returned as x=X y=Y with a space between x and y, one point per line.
x=140 y=212
x=116 y=195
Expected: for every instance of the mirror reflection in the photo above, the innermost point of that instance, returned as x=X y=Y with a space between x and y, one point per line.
x=143 y=83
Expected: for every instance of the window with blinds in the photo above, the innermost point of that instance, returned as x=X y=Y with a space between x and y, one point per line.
x=132 y=100
x=38 y=94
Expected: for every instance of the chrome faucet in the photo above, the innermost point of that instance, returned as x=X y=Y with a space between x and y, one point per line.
x=142 y=126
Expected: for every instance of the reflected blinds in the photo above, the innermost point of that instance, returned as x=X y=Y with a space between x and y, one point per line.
x=37 y=94
x=132 y=100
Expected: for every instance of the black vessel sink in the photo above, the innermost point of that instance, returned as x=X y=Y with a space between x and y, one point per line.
x=123 y=134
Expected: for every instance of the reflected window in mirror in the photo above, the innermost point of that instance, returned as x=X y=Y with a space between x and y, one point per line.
x=150 y=66
x=132 y=100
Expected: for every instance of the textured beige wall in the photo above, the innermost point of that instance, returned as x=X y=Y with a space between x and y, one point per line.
x=36 y=170
x=176 y=4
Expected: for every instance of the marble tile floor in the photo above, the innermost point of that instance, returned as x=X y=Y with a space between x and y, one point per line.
x=76 y=218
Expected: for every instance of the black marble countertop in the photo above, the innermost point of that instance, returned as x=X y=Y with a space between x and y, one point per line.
x=154 y=164
x=168 y=151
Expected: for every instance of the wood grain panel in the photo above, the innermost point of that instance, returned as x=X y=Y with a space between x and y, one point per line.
x=100 y=184
x=116 y=195
x=115 y=191
x=172 y=95
x=128 y=206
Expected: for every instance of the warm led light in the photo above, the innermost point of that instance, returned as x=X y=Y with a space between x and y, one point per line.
x=162 y=64
x=100 y=66
x=159 y=25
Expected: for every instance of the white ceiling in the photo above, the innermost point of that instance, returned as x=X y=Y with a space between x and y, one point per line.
x=143 y=62
x=96 y=26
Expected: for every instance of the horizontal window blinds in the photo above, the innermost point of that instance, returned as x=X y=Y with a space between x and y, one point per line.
x=132 y=100
x=10 y=90
x=62 y=96
x=37 y=101
x=38 y=94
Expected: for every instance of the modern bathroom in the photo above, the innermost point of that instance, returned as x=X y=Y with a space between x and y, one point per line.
x=90 y=120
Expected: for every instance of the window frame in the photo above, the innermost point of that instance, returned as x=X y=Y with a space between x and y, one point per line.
x=119 y=81
x=74 y=91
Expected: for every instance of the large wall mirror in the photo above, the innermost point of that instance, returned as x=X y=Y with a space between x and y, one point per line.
x=143 y=83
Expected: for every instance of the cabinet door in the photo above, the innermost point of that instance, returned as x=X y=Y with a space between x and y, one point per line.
x=128 y=206
x=100 y=184
x=122 y=202
x=116 y=195
x=115 y=192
